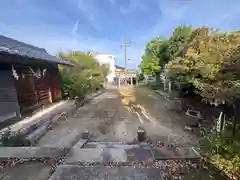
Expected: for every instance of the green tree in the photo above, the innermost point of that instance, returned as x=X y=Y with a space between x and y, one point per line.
x=178 y=40
x=84 y=77
x=211 y=63
x=155 y=57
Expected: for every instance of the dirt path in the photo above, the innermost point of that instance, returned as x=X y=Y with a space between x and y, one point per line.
x=117 y=114
x=104 y=116
x=162 y=124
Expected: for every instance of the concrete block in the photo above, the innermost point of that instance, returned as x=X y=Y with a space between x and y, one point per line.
x=178 y=153
x=193 y=118
x=173 y=103
x=64 y=172
x=96 y=155
x=141 y=135
x=80 y=144
x=139 y=155
x=38 y=133
x=67 y=142
x=30 y=152
x=110 y=145
x=86 y=134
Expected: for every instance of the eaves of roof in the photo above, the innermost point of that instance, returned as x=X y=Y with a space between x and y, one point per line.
x=14 y=47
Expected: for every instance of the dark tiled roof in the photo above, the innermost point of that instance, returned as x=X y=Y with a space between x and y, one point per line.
x=11 y=46
x=119 y=67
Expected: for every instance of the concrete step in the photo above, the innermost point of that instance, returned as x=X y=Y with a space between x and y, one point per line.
x=108 y=156
x=118 y=145
x=179 y=153
x=131 y=173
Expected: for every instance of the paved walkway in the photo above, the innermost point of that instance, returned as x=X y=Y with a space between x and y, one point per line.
x=114 y=117
x=104 y=116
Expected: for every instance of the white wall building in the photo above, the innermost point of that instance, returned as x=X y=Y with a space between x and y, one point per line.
x=110 y=61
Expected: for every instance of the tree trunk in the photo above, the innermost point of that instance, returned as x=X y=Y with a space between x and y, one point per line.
x=234 y=120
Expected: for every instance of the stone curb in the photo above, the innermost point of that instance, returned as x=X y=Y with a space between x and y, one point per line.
x=191 y=154
x=45 y=119
x=87 y=99
x=161 y=93
x=38 y=153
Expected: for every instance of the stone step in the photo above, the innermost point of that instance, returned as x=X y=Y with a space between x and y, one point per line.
x=114 y=145
x=108 y=156
x=91 y=173
x=178 y=153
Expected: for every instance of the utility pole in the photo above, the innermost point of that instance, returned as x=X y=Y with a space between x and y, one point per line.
x=125 y=55
x=125 y=45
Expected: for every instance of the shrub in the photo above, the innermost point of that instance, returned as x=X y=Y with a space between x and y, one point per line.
x=84 y=77
x=223 y=153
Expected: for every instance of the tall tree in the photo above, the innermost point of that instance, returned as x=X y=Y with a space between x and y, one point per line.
x=155 y=57
x=178 y=40
x=211 y=64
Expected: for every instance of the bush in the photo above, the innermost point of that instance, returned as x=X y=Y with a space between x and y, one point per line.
x=223 y=153
x=86 y=76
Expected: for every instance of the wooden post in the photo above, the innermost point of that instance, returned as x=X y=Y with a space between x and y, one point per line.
x=131 y=80
x=169 y=86
x=119 y=81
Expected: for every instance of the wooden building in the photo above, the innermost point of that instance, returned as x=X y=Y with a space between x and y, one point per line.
x=29 y=78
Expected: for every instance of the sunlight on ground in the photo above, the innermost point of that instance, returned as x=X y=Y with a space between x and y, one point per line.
x=128 y=96
x=129 y=100
x=36 y=117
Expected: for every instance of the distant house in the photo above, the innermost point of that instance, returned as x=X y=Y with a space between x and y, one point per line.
x=109 y=60
x=119 y=69
x=29 y=78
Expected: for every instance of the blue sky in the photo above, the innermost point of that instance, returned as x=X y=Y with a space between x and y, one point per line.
x=102 y=25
